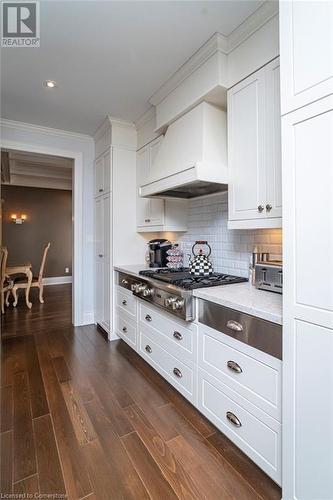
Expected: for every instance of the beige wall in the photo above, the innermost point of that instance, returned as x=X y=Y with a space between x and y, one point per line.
x=49 y=213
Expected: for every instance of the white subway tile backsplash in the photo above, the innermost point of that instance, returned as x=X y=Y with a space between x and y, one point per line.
x=231 y=249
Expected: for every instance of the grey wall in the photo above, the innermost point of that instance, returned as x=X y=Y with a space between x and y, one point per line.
x=49 y=214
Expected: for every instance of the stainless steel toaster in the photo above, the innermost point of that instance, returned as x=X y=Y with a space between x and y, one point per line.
x=269 y=276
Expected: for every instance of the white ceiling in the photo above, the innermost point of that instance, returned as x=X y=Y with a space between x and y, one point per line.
x=108 y=57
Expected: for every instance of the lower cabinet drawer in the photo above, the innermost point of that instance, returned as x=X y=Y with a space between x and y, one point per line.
x=251 y=429
x=180 y=375
x=181 y=334
x=126 y=301
x=126 y=328
x=253 y=374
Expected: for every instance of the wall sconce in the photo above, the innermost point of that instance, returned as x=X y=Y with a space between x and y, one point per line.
x=18 y=220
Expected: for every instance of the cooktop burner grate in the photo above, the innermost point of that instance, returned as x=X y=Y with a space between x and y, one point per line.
x=182 y=278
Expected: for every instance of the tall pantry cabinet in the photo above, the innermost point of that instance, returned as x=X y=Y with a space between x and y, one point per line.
x=306 y=59
x=116 y=239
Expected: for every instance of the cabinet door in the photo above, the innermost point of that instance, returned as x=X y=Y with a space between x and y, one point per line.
x=307 y=156
x=106 y=297
x=156 y=207
x=99 y=228
x=150 y=212
x=99 y=292
x=107 y=171
x=99 y=176
x=142 y=170
x=246 y=143
x=273 y=199
x=306 y=48
x=102 y=261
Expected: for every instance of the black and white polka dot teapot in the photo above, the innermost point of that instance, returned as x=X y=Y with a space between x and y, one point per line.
x=199 y=263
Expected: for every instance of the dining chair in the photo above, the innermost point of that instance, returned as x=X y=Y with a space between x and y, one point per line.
x=37 y=281
x=6 y=285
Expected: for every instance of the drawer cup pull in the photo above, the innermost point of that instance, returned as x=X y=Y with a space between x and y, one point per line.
x=234 y=325
x=148 y=349
x=233 y=419
x=148 y=317
x=177 y=372
x=232 y=365
x=124 y=329
x=124 y=302
x=177 y=335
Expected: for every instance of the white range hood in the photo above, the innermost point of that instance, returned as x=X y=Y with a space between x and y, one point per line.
x=192 y=159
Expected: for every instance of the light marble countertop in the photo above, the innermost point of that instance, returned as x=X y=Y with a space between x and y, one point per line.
x=240 y=296
x=132 y=268
x=246 y=298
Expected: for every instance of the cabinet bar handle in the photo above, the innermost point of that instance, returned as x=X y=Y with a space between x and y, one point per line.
x=233 y=419
x=232 y=365
x=124 y=302
x=177 y=372
x=124 y=329
x=234 y=325
x=148 y=317
x=148 y=349
x=177 y=335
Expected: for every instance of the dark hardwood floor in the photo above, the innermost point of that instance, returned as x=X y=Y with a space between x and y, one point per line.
x=84 y=418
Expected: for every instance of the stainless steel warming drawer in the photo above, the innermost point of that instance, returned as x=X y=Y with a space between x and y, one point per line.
x=255 y=332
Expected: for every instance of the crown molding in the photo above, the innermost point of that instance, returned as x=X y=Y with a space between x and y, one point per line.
x=30 y=127
x=217 y=43
x=252 y=23
x=119 y=122
x=145 y=118
x=108 y=123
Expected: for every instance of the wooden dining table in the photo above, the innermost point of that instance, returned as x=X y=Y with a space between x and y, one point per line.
x=22 y=269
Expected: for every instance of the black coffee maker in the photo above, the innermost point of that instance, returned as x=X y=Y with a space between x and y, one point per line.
x=158 y=252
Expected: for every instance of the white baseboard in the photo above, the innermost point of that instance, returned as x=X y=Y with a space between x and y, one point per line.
x=57 y=280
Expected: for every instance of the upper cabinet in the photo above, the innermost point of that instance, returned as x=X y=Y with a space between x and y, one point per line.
x=306 y=42
x=150 y=212
x=254 y=149
x=156 y=214
x=103 y=173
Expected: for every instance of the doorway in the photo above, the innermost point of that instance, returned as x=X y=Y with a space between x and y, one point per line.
x=38 y=209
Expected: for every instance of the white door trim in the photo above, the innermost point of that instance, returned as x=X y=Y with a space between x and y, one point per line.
x=77 y=296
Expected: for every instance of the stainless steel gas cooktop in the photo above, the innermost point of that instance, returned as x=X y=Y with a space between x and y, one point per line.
x=171 y=290
x=184 y=279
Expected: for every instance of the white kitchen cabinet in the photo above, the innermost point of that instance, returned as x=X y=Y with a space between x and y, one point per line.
x=250 y=428
x=306 y=42
x=103 y=169
x=116 y=238
x=156 y=214
x=307 y=159
x=102 y=261
x=254 y=148
x=195 y=359
x=150 y=212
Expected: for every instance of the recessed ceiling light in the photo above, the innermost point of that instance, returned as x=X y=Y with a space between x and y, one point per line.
x=50 y=84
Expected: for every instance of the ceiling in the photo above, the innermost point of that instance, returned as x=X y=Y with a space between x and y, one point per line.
x=107 y=57
x=21 y=168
